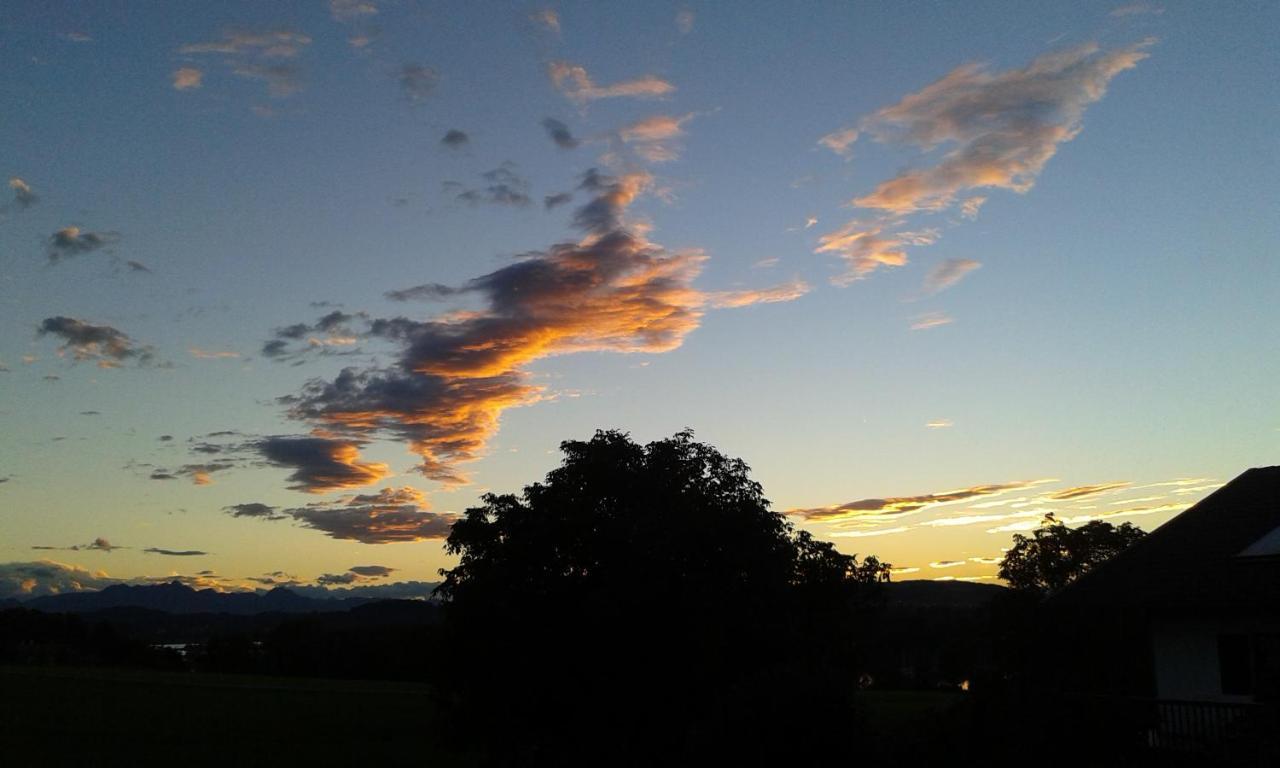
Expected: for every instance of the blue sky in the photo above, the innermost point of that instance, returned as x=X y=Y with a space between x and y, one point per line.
x=194 y=180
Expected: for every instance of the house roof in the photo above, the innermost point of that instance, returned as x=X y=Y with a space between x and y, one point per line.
x=1195 y=560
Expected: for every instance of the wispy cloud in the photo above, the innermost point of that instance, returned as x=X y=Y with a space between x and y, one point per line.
x=187 y=78
x=351 y=10
x=841 y=141
x=577 y=86
x=262 y=55
x=996 y=130
x=947 y=273
x=892 y=506
x=23 y=195
x=502 y=186
x=939 y=424
x=1002 y=127
x=1136 y=9
x=788 y=291
x=930 y=320
x=417 y=82
x=272 y=44
x=211 y=354
x=1082 y=491
x=866 y=245
x=684 y=21
x=547 y=19
x=74 y=241
x=559 y=133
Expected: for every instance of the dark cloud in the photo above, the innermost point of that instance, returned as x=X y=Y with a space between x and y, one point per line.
x=198 y=474
x=321 y=464
x=332 y=334
x=559 y=133
x=328 y=579
x=372 y=571
x=85 y=341
x=165 y=438
x=73 y=241
x=503 y=186
x=97 y=545
x=275 y=348
x=392 y=515
x=254 y=509
x=355 y=574
x=176 y=553
x=558 y=199
x=424 y=292
x=417 y=82
x=91 y=413
x=455 y=139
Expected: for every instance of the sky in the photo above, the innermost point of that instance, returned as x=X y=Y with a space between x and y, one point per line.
x=287 y=286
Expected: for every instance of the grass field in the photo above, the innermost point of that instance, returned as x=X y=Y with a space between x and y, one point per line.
x=97 y=717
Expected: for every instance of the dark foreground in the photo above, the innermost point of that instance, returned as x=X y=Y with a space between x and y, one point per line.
x=103 y=717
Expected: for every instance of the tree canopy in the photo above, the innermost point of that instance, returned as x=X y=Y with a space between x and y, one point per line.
x=648 y=599
x=1056 y=554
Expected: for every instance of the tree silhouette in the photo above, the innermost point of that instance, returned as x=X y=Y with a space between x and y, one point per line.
x=1056 y=555
x=645 y=602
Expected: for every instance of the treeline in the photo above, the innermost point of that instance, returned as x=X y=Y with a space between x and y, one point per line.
x=388 y=640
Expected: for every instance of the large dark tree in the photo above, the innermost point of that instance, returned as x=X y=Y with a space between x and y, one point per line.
x=1056 y=555
x=644 y=603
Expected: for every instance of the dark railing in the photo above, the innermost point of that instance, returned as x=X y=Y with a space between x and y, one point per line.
x=1229 y=732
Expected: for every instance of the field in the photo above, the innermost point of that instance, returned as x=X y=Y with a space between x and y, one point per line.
x=96 y=717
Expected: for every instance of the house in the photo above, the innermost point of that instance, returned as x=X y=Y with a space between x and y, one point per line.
x=1186 y=620
x=1204 y=588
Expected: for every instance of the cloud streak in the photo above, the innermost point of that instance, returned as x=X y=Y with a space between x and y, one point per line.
x=893 y=506
x=577 y=86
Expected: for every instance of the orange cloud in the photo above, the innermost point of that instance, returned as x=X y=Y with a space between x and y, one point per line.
x=866 y=246
x=613 y=290
x=840 y=142
x=574 y=82
x=789 y=291
x=187 y=78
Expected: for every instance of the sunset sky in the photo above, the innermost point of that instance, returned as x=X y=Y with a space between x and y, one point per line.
x=286 y=286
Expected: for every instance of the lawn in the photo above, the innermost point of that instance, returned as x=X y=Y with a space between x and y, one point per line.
x=97 y=717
